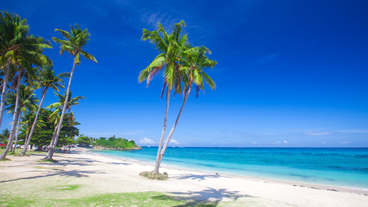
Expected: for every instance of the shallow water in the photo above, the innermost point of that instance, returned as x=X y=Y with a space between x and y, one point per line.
x=344 y=167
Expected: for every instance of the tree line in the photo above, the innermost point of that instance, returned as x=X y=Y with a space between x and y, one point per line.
x=24 y=69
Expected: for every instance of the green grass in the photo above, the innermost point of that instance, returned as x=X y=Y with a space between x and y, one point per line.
x=5 y=159
x=151 y=199
x=154 y=176
x=47 y=161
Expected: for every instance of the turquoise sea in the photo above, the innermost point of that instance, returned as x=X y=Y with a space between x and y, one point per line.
x=343 y=167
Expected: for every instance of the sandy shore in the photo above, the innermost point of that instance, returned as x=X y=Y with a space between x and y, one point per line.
x=99 y=174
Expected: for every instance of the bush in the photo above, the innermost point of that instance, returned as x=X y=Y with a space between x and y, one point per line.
x=154 y=176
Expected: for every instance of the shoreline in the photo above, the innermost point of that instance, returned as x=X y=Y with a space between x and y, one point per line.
x=343 y=189
x=90 y=175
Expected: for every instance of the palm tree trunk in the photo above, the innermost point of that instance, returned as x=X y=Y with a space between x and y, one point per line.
x=63 y=112
x=158 y=158
x=17 y=133
x=3 y=93
x=51 y=149
x=15 y=118
x=173 y=128
x=34 y=123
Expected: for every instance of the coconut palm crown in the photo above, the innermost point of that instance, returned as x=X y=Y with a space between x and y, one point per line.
x=73 y=43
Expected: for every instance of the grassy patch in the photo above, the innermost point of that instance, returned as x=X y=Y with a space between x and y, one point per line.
x=154 y=199
x=154 y=176
x=66 y=187
x=47 y=161
x=5 y=159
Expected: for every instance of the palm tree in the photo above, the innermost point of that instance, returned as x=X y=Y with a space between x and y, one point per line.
x=23 y=55
x=170 y=45
x=28 y=124
x=18 y=48
x=195 y=61
x=27 y=101
x=73 y=44
x=5 y=134
x=61 y=106
x=46 y=79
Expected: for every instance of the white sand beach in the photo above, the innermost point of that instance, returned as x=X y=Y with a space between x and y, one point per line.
x=97 y=175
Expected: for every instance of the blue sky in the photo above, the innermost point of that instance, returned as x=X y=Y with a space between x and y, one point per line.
x=289 y=74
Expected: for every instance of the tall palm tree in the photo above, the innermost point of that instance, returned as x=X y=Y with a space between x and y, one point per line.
x=23 y=55
x=61 y=106
x=26 y=101
x=195 y=61
x=46 y=79
x=13 y=30
x=170 y=45
x=15 y=42
x=72 y=43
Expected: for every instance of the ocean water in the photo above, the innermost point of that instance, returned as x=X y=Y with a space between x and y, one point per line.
x=343 y=167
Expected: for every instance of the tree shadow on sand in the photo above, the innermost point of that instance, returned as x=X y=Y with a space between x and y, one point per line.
x=71 y=173
x=194 y=176
x=208 y=197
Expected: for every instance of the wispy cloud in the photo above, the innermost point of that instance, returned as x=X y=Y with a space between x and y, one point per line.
x=173 y=141
x=147 y=141
x=345 y=142
x=254 y=142
x=266 y=59
x=286 y=142
x=318 y=133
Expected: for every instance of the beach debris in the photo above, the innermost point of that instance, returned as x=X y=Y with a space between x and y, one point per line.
x=216 y=173
x=302 y=186
x=332 y=190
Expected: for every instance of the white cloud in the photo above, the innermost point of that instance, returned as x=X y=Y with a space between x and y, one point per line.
x=345 y=142
x=318 y=133
x=146 y=141
x=173 y=141
x=286 y=142
x=254 y=142
x=278 y=142
x=323 y=142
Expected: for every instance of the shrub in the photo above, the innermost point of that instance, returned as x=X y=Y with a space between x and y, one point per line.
x=154 y=176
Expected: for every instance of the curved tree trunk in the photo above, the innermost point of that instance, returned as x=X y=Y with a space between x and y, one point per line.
x=51 y=149
x=15 y=118
x=26 y=143
x=3 y=93
x=17 y=133
x=158 y=158
x=173 y=128
x=62 y=113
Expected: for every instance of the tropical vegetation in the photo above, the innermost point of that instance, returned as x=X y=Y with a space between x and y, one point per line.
x=115 y=143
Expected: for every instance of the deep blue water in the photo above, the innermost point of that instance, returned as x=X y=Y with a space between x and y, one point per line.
x=346 y=167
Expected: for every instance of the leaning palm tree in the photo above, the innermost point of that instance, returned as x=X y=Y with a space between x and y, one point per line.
x=195 y=61
x=72 y=43
x=170 y=47
x=13 y=30
x=15 y=42
x=27 y=101
x=46 y=79
x=57 y=118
